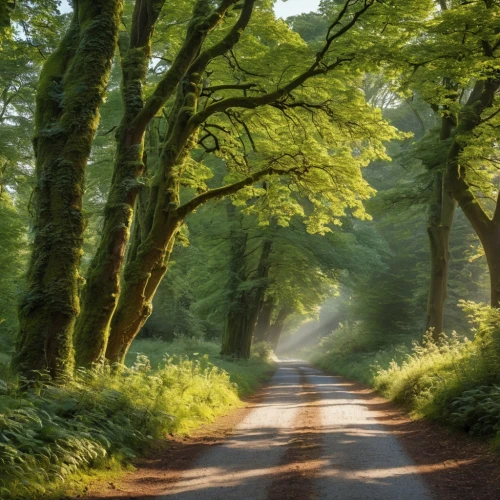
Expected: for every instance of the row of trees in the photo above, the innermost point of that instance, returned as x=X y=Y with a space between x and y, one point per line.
x=211 y=105
x=206 y=100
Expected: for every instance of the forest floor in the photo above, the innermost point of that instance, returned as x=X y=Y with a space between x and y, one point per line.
x=307 y=435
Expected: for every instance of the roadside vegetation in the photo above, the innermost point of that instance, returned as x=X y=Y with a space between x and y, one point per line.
x=452 y=379
x=92 y=427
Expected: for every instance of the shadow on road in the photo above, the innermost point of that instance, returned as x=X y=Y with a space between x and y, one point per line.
x=311 y=436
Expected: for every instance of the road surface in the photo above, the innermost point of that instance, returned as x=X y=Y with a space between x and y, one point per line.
x=310 y=437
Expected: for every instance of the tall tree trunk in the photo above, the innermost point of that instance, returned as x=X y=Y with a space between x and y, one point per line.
x=245 y=307
x=69 y=95
x=277 y=327
x=441 y=214
x=161 y=223
x=135 y=304
x=263 y=325
x=102 y=291
x=238 y=331
x=164 y=213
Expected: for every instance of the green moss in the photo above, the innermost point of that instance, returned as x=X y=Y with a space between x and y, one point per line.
x=69 y=95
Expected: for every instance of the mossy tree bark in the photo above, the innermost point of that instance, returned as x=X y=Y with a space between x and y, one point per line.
x=69 y=95
x=165 y=214
x=100 y=295
x=487 y=228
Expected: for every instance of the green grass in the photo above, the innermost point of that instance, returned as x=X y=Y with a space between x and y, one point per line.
x=53 y=439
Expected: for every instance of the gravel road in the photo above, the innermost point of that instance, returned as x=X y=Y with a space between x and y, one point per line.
x=310 y=437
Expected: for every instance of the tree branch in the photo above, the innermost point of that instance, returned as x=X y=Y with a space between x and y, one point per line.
x=226 y=190
x=197 y=32
x=267 y=99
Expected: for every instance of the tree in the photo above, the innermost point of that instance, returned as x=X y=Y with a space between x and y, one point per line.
x=247 y=288
x=467 y=60
x=218 y=105
x=70 y=91
x=441 y=68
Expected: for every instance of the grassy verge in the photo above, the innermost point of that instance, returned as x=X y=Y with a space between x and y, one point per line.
x=247 y=375
x=95 y=425
x=453 y=380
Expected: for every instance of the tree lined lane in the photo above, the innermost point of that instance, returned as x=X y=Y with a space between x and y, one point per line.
x=310 y=437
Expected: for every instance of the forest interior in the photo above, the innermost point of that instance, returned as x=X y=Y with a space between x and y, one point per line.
x=211 y=211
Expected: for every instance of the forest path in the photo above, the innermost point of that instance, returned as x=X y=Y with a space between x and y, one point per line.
x=310 y=437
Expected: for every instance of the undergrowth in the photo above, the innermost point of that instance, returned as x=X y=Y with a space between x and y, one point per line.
x=247 y=375
x=453 y=379
x=51 y=434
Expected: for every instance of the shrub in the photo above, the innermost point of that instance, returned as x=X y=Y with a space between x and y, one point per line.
x=478 y=410
x=262 y=350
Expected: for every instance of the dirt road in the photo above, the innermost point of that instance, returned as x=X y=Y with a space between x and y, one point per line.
x=311 y=436
x=336 y=450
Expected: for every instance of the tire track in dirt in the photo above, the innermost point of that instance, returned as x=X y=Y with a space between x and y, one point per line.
x=294 y=478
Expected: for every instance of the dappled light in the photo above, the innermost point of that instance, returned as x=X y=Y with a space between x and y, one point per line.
x=218 y=218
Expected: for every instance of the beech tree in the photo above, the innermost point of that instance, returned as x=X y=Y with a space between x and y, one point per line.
x=441 y=68
x=455 y=68
x=215 y=100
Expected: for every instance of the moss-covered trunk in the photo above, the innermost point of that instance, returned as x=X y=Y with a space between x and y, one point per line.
x=148 y=260
x=69 y=95
x=141 y=278
x=161 y=223
x=102 y=291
